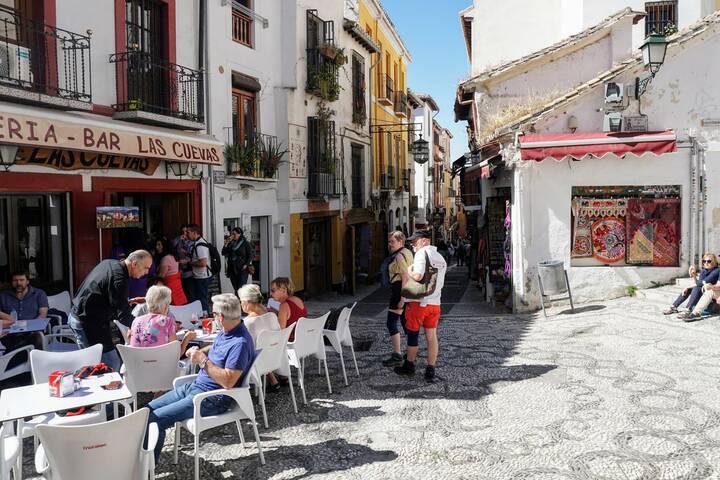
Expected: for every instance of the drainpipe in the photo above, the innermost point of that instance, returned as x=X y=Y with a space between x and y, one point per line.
x=203 y=53
x=702 y=196
x=370 y=122
x=693 y=235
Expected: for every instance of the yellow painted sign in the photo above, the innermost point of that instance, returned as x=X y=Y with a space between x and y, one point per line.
x=71 y=160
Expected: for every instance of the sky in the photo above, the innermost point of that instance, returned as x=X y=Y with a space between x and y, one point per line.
x=431 y=31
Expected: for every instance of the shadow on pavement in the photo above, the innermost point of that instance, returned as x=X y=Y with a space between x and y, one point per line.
x=583 y=309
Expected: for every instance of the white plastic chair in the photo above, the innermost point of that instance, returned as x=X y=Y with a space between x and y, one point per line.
x=183 y=313
x=42 y=364
x=62 y=302
x=242 y=410
x=275 y=357
x=341 y=336
x=19 y=369
x=308 y=341
x=10 y=453
x=110 y=450
x=150 y=369
x=123 y=330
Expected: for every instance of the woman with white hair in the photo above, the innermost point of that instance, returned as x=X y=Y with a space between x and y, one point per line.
x=156 y=327
x=258 y=318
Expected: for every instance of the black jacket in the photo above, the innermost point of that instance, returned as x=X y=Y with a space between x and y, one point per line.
x=240 y=255
x=102 y=298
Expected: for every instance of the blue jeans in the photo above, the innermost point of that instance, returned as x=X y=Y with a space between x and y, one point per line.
x=201 y=285
x=109 y=358
x=695 y=293
x=177 y=405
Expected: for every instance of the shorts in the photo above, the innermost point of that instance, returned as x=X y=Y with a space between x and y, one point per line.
x=417 y=316
x=395 y=295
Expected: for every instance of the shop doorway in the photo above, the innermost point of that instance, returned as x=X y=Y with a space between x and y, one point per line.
x=161 y=214
x=33 y=237
x=317 y=256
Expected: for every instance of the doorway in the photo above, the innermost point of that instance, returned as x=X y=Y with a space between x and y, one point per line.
x=317 y=254
x=33 y=237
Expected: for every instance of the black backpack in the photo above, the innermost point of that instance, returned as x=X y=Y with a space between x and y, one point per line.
x=215 y=259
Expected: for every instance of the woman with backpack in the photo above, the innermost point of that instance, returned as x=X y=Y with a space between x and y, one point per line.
x=394 y=275
x=240 y=255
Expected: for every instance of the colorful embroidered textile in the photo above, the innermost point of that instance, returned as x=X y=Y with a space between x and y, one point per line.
x=653 y=226
x=585 y=212
x=608 y=239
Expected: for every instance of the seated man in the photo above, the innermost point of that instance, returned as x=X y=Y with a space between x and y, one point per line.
x=710 y=292
x=709 y=273
x=224 y=365
x=29 y=303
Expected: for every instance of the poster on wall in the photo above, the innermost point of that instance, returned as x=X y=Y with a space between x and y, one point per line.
x=117 y=217
x=653 y=226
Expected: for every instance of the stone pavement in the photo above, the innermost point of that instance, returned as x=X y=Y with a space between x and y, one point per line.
x=612 y=391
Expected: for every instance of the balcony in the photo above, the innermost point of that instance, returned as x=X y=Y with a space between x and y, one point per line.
x=413 y=204
x=323 y=165
x=401 y=104
x=386 y=87
x=406 y=179
x=242 y=26
x=157 y=92
x=387 y=180
x=255 y=157
x=322 y=75
x=42 y=64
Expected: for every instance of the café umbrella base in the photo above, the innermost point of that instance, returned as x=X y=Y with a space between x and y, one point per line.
x=553 y=280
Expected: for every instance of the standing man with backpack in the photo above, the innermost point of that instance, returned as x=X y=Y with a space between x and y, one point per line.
x=240 y=255
x=422 y=307
x=205 y=262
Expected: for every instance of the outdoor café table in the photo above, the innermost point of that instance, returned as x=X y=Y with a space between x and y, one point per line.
x=34 y=325
x=32 y=400
x=205 y=338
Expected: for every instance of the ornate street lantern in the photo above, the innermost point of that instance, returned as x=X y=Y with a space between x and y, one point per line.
x=420 y=150
x=653 y=54
x=8 y=154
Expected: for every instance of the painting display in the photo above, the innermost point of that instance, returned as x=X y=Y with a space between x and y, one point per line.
x=117 y=217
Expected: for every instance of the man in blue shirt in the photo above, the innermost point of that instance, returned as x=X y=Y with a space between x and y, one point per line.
x=224 y=365
x=29 y=303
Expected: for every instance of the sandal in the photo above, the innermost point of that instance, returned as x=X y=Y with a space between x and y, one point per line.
x=670 y=311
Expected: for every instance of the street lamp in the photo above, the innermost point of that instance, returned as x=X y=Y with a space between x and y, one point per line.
x=8 y=155
x=421 y=153
x=179 y=169
x=653 y=55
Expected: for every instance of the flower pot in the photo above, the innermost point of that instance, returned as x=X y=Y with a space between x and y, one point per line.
x=329 y=51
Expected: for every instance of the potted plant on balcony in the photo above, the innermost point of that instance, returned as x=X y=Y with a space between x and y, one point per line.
x=241 y=158
x=328 y=50
x=340 y=58
x=271 y=154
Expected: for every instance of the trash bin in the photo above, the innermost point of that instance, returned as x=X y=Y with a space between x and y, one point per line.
x=552 y=277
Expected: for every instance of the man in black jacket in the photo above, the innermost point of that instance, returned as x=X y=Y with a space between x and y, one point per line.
x=240 y=255
x=102 y=298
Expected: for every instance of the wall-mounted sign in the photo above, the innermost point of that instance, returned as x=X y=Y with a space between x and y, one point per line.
x=636 y=124
x=73 y=160
x=117 y=217
x=218 y=177
x=35 y=131
x=711 y=122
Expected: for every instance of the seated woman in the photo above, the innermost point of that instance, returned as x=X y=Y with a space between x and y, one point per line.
x=291 y=308
x=256 y=321
x=156 y=327
x=709 y=274
x=168 y=271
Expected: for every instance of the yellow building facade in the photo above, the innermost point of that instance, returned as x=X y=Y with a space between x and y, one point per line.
x=389 y=108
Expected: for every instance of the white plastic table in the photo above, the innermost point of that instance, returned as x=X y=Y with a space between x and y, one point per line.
x=201 y=337
x=32 y=400
x=34 y=325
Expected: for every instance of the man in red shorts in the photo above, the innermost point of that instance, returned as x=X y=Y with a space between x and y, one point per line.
x=424 y=312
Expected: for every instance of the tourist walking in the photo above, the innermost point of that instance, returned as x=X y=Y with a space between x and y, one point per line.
x=200 y=263
x=460 y=253
x=395 y=271
x=240 y=255
x=423 y=312
x=102 y=298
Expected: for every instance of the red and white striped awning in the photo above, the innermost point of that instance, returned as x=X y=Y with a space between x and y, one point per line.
x=579 y=145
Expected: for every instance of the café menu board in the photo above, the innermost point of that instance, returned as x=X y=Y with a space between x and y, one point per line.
x=496 y=231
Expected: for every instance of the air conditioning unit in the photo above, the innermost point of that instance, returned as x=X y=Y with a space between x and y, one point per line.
x=613 y=122
x=614 y=93
x=15 y=64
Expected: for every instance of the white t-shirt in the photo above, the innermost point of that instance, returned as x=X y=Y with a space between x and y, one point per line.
x=255 y=325
x=198 y=253
x=437 y=261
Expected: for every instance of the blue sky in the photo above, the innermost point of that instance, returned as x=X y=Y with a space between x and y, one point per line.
x=431 y=31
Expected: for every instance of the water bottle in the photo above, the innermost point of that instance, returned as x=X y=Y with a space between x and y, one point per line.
x=13 y=318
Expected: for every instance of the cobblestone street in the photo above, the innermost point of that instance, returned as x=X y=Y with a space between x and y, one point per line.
x=614 y=391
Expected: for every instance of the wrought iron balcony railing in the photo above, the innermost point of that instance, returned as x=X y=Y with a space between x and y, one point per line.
x=256 y=156
x=389 y=87
x=324 y=178
x=43 y=59
x=401 y=103
x=148 y=84
x=322 y=75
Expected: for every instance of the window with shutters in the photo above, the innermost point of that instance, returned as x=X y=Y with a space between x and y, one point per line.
x=359 y=110
x=662 y=17
x=322 y=163
x=357 y=157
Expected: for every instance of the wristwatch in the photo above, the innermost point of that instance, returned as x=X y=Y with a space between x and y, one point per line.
x=203 y=363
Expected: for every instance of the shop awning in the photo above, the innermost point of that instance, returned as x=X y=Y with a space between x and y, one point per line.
x=579 y=145
x=28 y=126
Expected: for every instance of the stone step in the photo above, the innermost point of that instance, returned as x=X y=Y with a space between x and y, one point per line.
x=661 y=295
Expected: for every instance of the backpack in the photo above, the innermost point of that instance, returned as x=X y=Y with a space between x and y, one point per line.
x=215 y=259
x=426 y=286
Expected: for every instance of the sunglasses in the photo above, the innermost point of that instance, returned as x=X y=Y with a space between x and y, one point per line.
x=707 y=261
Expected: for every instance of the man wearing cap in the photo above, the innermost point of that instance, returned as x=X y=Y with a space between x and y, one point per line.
x=423 y=312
